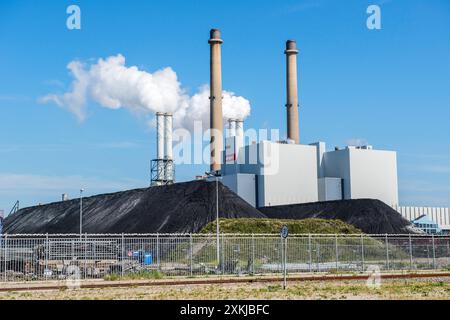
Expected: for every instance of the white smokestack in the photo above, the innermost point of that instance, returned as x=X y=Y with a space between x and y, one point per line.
x=168 y=154
x=231 y=127
x=160 y=131
x=160 y=125
x=168 y=128
x=239 y=135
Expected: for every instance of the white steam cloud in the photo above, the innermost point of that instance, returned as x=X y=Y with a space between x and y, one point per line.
x=113 y=85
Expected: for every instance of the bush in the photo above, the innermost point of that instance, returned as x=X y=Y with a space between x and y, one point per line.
x=140 y=275
x=261 y=225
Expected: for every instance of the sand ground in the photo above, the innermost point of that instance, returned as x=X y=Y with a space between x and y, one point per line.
x=429 y=288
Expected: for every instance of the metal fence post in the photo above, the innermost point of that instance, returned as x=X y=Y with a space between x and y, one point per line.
x=157 y=251
x=387 y=251
x=191 y=249
x=85 y=255
x=253 y=254
x=285 y=264
x=337 y=251
x=46 y=255
x=434 y=252
x=281 y=255
x=5 y=256
x=362 y=252
x=310 y=252
x=122 y=255
x=222 y=247
x=410 y=253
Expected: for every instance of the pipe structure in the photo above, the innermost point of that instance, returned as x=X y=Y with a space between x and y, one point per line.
x=168 y=154
x=160 y=131
x=231 y=127
x=292 y=91
x=215 y=98
x=239 y=142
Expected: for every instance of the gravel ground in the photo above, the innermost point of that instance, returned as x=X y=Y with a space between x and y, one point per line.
x=418 y=289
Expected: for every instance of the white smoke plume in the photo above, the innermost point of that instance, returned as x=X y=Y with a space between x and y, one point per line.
x=113 y=85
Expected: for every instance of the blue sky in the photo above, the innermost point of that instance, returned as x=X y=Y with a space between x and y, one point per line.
x=389 y=87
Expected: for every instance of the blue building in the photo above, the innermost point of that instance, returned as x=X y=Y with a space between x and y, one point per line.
x=426 y=224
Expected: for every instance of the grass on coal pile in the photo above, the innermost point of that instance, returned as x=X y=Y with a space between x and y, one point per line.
x=261 y=225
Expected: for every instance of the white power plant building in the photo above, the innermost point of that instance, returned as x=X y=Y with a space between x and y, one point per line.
x=272 y=173
x=356 y=173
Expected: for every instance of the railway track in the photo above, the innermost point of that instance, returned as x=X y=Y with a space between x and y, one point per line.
x=184 y=281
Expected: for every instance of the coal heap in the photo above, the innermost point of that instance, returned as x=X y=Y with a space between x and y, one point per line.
x=181 y=207
x=187 y=207
x=369 y=215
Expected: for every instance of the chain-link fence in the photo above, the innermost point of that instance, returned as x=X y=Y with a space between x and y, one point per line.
x=58 y=257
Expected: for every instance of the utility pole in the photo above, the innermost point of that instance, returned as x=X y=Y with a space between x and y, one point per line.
x=217 y=219
x=216 y=175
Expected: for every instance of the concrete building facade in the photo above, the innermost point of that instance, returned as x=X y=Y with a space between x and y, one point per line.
x=294 y=173
x=279 y=170
x=364 y=173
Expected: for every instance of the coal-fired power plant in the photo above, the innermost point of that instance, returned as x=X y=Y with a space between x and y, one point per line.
x=216 y=115
x=264 y=174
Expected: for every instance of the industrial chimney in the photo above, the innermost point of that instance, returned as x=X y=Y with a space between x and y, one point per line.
x=216 y=118
x=168 y=154
x=292 y=91
x=160 y=132
x=235 y=139
x=162 y=168
x=239 y=135
x=231 y=127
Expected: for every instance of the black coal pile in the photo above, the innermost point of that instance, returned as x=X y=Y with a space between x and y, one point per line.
x=369 y=215
x=181 y=207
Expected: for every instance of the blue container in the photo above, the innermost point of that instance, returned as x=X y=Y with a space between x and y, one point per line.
x=148 y=258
